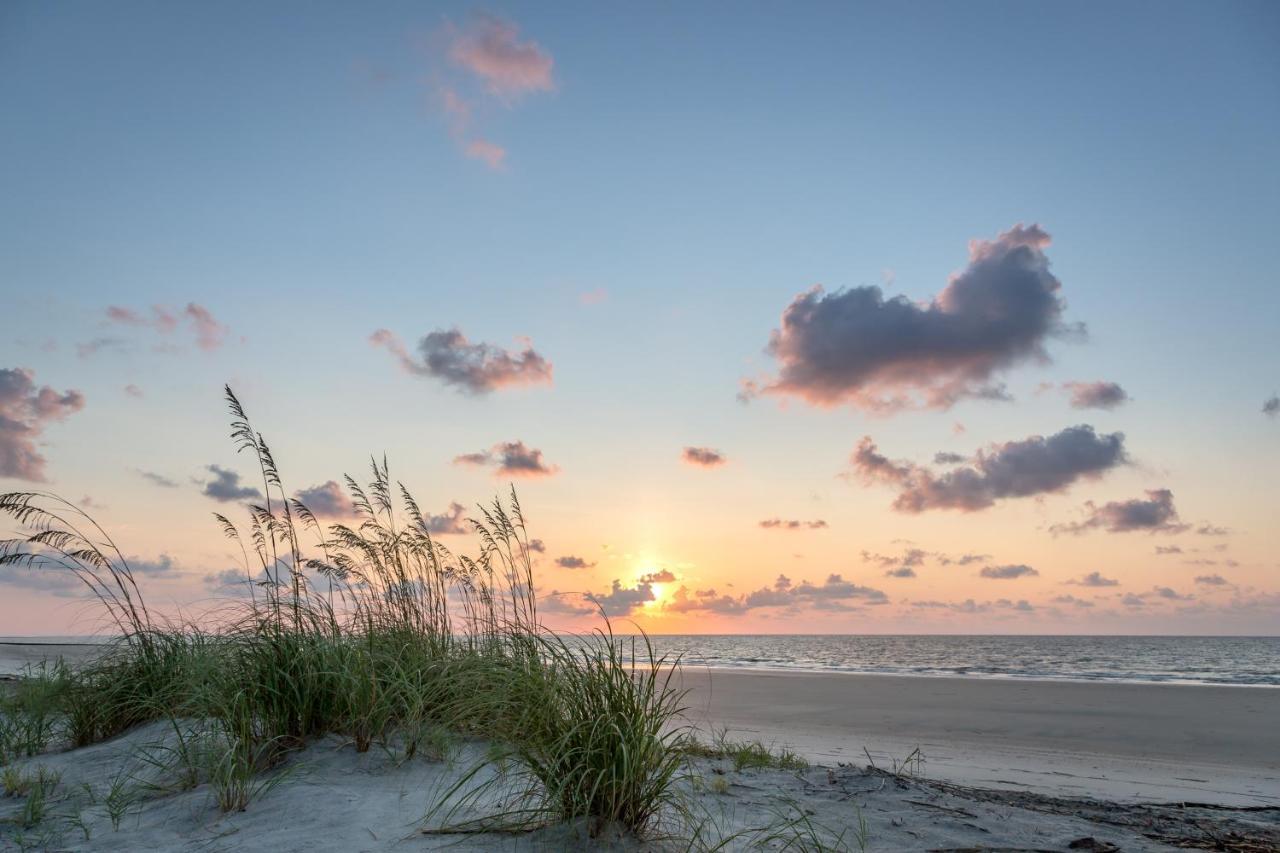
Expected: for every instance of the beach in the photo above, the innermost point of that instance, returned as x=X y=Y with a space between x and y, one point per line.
x=1126 y=742
x=896 y=763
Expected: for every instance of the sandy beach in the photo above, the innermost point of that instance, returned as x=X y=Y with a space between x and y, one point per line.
x=1126 y=742
x=1008 y=765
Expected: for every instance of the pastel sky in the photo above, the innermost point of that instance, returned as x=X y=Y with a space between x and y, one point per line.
x=848 y=318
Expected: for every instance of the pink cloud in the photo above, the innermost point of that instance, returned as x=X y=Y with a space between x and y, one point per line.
x=25 y=411
x=210 y=334
x=490 y=48
x=492 y=155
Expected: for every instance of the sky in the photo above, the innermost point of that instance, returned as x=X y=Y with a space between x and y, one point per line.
x=832 y=318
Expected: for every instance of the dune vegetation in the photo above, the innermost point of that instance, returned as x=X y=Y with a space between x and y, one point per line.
x=374 y=631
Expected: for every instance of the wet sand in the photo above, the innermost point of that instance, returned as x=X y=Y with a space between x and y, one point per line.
x=1125 y=742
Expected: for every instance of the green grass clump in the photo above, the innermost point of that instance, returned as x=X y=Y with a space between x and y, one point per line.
x=368 y=629
x=745 y=754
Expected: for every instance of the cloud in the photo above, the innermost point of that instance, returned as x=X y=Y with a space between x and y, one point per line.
x=1095 y=395
x=835 y=593
x=208 y=333
x=593 y=297
x=491 y=154
x=1094 y=579
x=834 y=589
x=1271 y=406
x=792 y=524
x=45 y=578
x=134 y=391
x=1162 y=550
x=909 y=557
x=1212 y=580
x=660 y=576
x=52 y=578
x=478 y=368
x=326 y=500
x=1155 y=514
x=705 y=600
x=89 y=349
x=572 y=562
x=945 y=458
x=855 y=347
x=901 y=572
x=970 y=606
x=490 y=48
x=488 y=59
x=157 y=479
x=618 y=601
x=510 y=458
x=703 y=457
x=451 y=522
x=1008 y=572
x=225 y=486
x=1213 y=530
x=537 y=547
x=1170 y=594
x=962 y=560
x=161 y=566
x=1033 y=466
x=1072 y=600
x=25 y=412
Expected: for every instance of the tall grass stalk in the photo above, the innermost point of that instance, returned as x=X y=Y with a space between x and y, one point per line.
x=366 y=627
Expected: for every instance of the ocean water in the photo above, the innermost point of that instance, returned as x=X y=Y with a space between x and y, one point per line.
x=1253 y=661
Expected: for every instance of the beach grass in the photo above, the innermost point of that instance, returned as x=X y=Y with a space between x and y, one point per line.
x=365 y=627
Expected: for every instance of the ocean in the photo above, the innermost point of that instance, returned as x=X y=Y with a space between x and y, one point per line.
x=1253 y=661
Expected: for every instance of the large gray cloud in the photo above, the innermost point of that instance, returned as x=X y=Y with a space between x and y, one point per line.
x=25 y=411
x=510 y=458
x=225 y=486
x=1271 y=406
x=1154 y=514
x=1032 y=466
x=856 y=347
x=473 y=368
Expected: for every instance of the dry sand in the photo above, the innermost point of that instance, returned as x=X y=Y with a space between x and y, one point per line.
x=329 y=799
